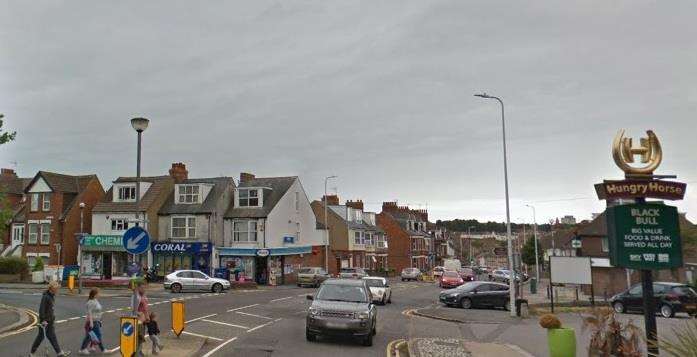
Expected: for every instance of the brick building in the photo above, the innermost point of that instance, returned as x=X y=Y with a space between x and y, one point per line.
x=53 y=215
x=12 y=190
x=410 y=245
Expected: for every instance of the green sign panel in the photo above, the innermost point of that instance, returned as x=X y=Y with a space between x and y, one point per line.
x=644 y=236
x=103 y=242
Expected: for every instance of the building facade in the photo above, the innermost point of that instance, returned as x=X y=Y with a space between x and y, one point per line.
x=12 y=191
x=410 y=245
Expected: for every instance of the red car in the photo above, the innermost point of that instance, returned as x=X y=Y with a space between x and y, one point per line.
x=450 y=279
x=467 y=274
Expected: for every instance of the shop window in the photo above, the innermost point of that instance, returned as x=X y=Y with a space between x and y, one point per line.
x=244 y=231
x=184 y=227
x=188 y=194
x=45 y=233
x=248 y=197
x=33 y=235
x=46 y=203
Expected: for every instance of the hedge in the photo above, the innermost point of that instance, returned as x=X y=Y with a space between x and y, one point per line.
x=13 y=265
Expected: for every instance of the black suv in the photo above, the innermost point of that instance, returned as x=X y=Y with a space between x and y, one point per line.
x=342 y=307
x=669 y=298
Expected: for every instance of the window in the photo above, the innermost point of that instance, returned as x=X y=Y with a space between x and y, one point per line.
x=635 y=290
x=183 y=227
x=604 y=245
x=46 y=203
x=188 y=194
x=357 y=238
x=244 y=231
x=45 y=233
x=198 y=275
x=33 y=233
x=369 y=238
x=184 y=274
x=297 y=201
x=119 y=224
x=127 y=193
x=248 y=197
x=34 y=202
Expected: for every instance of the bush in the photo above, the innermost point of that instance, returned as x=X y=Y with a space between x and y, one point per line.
x=549 y=321
x=38 y=265
x=13 y=265
x=683 y=342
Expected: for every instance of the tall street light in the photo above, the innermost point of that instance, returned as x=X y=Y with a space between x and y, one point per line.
x=139 y=125
x=79 y=248
x=537 y=263
x=326 y=225
x=469 y=235
x=511 y=281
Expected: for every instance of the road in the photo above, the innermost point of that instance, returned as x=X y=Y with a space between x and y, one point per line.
x=271 y=322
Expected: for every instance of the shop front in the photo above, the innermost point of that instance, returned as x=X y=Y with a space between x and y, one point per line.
x=170 y=256
x=104 y=257
x=266 y=266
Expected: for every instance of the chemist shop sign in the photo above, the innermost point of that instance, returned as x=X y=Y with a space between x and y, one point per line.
x=644 y=236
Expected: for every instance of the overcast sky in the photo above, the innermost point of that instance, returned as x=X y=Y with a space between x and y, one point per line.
x=379 y=93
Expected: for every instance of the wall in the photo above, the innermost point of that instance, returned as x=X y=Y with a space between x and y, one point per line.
x=338 y=231
x=93 y=193
x=101 y=222
x=227 y=237
x=282 y=220
x=399 y=242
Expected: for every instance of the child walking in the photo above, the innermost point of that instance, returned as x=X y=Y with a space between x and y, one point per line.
x=154 y=332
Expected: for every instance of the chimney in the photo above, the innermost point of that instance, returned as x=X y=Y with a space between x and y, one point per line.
x=246 y=176
x=8 y=173
x=389 y=206
x=332 y=200
x=358 y=204
x=179 y=172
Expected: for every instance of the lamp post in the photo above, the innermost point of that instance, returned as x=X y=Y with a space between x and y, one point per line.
x=139 y=125
x=512 y=286
x=469 y=235
x=326 y=225
x=537 y=263
x=79 y=248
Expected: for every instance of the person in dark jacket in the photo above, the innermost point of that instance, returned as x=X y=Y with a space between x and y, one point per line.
x=47 y=318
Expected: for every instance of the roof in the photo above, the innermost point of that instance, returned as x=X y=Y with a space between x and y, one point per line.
x=208 y=206
x=157 y=187
x=14 y=185
x=274 y=189
x=61 y=182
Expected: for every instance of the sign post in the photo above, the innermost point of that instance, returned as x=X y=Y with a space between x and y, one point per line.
x=178 y=314
x=128 y=339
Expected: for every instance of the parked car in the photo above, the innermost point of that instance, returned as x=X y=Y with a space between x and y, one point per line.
x=467 y=274
x=189 y=280
x=342 y=307
x=410 y=274
x=311 y=276
x=502 y=275
x=477 y=294
x=450 y=279
x=379 y=289
x=669 y=299
x=352 y=273
x=438 y=272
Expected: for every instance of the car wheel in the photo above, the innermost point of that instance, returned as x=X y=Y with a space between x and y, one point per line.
x=466 y=303
x=176 y=288
x=507 y=305
x=618 y=306
x=667 y=311
x=403 y=279
x=310 y=336
x=217 y=288
x=368 y=340
x=389 y=301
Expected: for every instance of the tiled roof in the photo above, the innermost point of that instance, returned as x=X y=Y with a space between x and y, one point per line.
x=63 y=183
x=275 y=188
x=208 y=206
x=157 y=188
x=14 y=185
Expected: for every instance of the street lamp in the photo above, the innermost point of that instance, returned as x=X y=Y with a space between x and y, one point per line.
x=79 y=249
x=537 y=263
x=139 y=125
x=326 y=225
x=511 y=281
x=469 y=235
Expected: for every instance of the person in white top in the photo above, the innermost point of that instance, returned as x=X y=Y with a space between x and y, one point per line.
x=93 y=324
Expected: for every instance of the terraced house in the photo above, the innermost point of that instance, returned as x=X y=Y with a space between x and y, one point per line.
x=410 y=246
x=12 y=191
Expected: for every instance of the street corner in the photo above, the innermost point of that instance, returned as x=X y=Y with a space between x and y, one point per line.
x=442 y=347
x=14 y=320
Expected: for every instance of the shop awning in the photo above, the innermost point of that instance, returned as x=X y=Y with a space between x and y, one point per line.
x=262 y=252
x=102 y=243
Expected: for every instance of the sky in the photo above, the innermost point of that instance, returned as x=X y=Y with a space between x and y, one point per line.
x=379 y=93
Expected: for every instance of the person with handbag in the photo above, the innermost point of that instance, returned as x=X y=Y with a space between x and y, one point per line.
x=93 y=324
x=47 y=319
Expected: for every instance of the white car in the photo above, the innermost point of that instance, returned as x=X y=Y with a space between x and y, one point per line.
x=189 y=280
x=379 y=289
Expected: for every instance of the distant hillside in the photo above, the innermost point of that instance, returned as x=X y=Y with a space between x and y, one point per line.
x=462 y=225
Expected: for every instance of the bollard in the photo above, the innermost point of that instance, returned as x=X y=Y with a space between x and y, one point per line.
x=533 y=286
x=178 y=317
x=71 y=282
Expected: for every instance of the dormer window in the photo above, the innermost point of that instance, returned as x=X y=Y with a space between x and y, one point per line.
x=127 y=193
x=248 y=197
x=188 y=194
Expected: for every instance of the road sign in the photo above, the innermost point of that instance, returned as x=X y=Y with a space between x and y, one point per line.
x=128 y=340
x=136 y=240
x=576 y=243
x=178 y=314
x=644 y=236
x=501 y=251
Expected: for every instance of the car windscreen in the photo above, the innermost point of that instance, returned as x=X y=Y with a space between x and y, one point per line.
x=374 y=283
x=336 y=292
x=467 y=271
x=450 y=274
x=306 y=271
x=348 y=270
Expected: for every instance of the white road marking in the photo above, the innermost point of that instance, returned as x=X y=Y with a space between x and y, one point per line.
x=226 y=324
x=74 y=318
x=109 y=311
x=242 y=308
x=281 y=299
x=113 y=349
x=211 y=352
x=200 y=318
x=61 y=321
x=202 y=336
x=253 y=315
x=261 y=326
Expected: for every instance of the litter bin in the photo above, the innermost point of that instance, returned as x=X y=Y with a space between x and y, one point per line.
x=561 y=342
x=521 y=308
x=533 y=286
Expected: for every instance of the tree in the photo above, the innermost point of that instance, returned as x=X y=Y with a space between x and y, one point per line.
x=5 y=209
x=5 y=137
x=528 y=252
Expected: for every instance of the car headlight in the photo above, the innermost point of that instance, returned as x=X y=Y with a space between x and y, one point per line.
x=362 y=315
x=314 y=311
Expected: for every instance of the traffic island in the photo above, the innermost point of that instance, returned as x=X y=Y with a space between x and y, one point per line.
x=445 y=347
x=464 y=316
x=13 y=319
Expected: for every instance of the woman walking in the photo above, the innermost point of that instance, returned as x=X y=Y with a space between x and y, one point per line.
x=93 y=325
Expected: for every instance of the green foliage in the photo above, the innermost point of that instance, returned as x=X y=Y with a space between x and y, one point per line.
x=463 y=225
x=38 y=265
x=5 y=213
x=528 y=252
x=5 y=137
x=13 y=265
x=683 y=341
x=610 y=336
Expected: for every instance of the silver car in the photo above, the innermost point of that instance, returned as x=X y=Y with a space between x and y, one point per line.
x=410 y=274
x=379 y=289
x=352 y=273
x=190 y=280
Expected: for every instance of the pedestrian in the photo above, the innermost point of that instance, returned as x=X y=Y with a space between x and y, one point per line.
x=154 y=333
x=47 y=318
x=140 y=305
x=93 y=324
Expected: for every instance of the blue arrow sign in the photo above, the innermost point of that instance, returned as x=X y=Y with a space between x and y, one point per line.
x=127 y=329
x=136 y=240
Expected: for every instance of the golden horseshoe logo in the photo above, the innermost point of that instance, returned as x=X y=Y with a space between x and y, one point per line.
x=649 y=150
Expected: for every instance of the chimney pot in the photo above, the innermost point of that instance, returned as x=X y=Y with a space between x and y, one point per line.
x=8 y=173
x=178 y=172
x=246 y=177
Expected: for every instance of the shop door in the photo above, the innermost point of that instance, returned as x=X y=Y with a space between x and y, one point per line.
x=261 y=271
x=106 y=265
